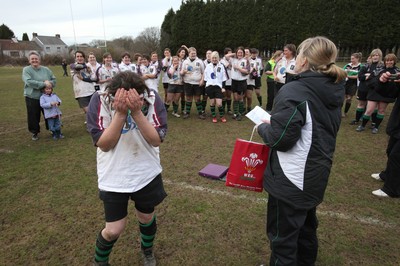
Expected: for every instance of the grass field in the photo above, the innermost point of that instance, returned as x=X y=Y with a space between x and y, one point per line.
x=51 y=213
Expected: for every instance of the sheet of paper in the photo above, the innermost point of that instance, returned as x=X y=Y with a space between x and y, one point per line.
x=257 y=115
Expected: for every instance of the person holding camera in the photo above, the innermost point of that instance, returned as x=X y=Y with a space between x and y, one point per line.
x=128 y=122
x=390 y=176
x=81 y=81
x=379 y=97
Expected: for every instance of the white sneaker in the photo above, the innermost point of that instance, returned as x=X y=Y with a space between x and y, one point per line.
x=376 y=177
x=380 y=193
x=176 y=114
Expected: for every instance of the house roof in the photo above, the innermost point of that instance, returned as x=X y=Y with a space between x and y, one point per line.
x=50 y=40
x=18 y=46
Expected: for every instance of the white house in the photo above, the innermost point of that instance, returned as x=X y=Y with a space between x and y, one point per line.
x=51 y=45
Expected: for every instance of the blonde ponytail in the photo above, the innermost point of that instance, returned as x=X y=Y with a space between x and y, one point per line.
x=321 y=53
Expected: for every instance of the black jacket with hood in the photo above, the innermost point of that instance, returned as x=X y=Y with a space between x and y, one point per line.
x=302 y=136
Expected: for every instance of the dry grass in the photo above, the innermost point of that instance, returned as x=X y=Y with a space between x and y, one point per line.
x=51 y=213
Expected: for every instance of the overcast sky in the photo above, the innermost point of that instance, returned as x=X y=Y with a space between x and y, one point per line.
x=50 y=17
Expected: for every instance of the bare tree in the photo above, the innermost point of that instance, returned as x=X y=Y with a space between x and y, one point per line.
x=148 y=41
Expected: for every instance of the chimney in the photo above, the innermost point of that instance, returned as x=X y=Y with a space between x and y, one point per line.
x=58 y=36
x=34 y=35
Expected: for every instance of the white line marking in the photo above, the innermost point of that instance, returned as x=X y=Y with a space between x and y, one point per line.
x=352 y=218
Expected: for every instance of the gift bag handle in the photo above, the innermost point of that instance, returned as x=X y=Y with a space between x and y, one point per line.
x=252 y=133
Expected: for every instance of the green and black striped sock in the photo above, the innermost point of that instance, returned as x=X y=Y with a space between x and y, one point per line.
x=241 y=107
x=221 y=111
x=188 y=106
x=204 y=105
x=183 y=104
x=378 y=120
x=359 y=113
x=148 y=233
x=212 y=108
x=175 y=107
x=103 y=248
x=199 y=107
x=365 y=120
x=236 y=107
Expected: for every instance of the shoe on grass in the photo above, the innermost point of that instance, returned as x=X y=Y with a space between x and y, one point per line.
x=214 y=120
x=101 y=263
x=202 y=117
x=223 y=119
x=148 y=257
x=176 y=114
x=380 y=193
x=35 y=137
x=374 y=130
x=353 y=122
x=360 y=128
x=377 y=177
x=185 y=115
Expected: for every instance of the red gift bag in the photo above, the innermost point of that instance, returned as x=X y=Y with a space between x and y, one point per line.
x=246 y=170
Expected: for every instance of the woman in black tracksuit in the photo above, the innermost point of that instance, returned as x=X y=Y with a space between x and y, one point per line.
x=302 y=133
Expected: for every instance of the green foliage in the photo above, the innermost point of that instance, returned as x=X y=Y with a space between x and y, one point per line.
x=270 y=24
x=25 y=37
x=6 y=32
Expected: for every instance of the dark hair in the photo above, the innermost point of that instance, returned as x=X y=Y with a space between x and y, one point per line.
x=240 y=48
x=80 y=52
x=357 y=55
x=136 y=56
x=227 y=50
x=125 y=54
x=127 y=80
x=291 y=47
x=180 y=49
x=253 y=51
x=146 y=57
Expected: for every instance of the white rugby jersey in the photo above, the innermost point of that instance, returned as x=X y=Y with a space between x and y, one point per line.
x=252 y=64
x=284 y=66
x=228 y=69
x=215 y=74
x=175 y=75
x=240 y=63
x=133 y=162
x=152 y=83
x=105 y=73
x=131 y=67
x=166 y=63
x=195 y=70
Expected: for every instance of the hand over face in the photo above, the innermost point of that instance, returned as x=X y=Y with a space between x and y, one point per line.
x=134 y=101
x=120 y=102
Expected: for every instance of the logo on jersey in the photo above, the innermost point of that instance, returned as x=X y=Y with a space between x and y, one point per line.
x=129 y=125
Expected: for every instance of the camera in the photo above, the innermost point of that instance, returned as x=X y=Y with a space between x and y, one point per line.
x=96 y=87
x=394 y=76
